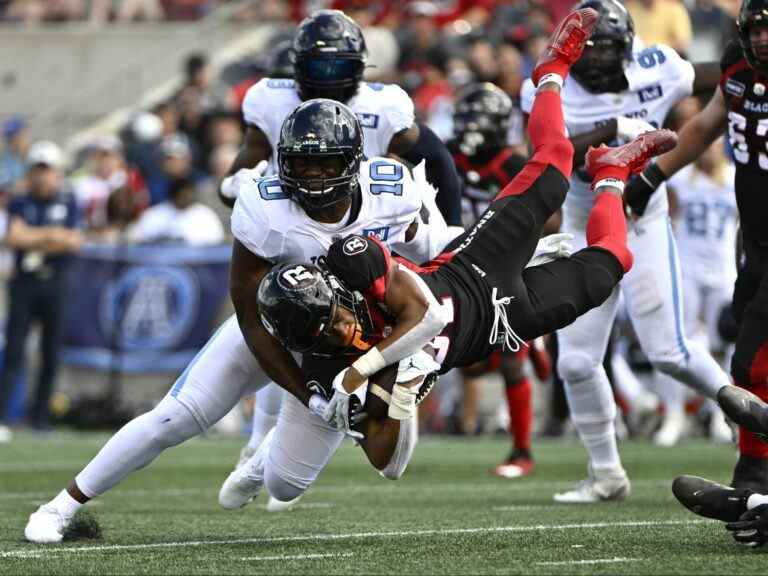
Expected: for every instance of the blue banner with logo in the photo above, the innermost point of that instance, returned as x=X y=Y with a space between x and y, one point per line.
x=143 y=308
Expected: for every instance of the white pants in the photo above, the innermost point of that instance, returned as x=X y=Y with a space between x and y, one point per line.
x=704 y=301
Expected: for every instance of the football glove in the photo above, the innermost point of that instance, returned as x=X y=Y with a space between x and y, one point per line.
x=641 y=187
x=230 y=186
x=752 y=527
x=345 y=410
x=550 y=248
x=630 y=128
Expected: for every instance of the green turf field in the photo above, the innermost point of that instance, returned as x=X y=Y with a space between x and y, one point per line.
x=446 y=516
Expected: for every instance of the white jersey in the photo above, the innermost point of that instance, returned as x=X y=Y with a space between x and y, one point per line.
x=274 y=227
x=382 y=109
x=658 y=79
x=706 y=226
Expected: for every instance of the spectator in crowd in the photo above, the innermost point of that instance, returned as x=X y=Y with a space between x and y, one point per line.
x=13 y=156
x=221 y=159
x=43 y=232
x=181 y=219
x=106 y=172
x=186 y=9
x=125 y=11
x=662 y=22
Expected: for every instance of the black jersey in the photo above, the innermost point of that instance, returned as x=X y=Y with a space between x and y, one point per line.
x=362 y=263
x=746 y=98
x=483 y=176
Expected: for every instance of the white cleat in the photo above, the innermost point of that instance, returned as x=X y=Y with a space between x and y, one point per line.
x=245 y=481
x=672 y=428
x=600 y=486
x=46 y=525
x=275 y=505
x=245 y=454
x=5 y=434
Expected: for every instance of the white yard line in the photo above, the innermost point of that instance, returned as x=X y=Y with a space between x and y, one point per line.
x=53 y=550
x=595 y=561
x=296 y=557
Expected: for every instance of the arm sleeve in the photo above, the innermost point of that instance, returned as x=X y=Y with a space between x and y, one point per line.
x=441 y=173
x=362 y=263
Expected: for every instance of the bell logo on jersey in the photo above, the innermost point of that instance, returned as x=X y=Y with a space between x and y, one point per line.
x=650 y=93
x=368 y=120
x=380 y=233
x=354 y=245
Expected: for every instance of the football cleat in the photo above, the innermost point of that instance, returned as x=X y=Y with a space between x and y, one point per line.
x=632 y=156
x=275 y=505
x=600 y=486
x=245 y=481
x=672 y=428
x=710 y=499
x=46 y=525
x=566 y=43
x=245 y=454
x=720 y=432
x=514 y=467
x=751 y=474
x=5 y=434
x=744 y=408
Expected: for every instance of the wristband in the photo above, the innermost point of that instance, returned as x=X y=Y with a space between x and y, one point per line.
x=370 y=363
x=653 y=176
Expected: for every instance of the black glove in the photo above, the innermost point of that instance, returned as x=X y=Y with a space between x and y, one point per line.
x=752 y=527
x=640 y=188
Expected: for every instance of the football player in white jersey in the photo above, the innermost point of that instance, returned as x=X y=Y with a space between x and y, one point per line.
x=325 y=190
x=329 y=59
x=613 y=94
x=706 y=223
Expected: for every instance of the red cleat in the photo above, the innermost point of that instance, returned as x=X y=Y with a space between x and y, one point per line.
x=632 y=156
x=516 y=466
x=566 y=43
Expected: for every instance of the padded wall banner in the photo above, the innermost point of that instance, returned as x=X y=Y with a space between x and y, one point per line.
x=143 y=308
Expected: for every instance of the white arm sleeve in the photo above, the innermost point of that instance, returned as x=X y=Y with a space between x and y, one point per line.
x=406 y=442
x=434 y=320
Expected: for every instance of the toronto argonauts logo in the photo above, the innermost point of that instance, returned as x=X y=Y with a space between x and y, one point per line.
x=149 y=307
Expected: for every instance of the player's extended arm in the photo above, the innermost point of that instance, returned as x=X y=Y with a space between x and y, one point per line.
x=418 y=319
x=419 y=143
x=246 y=273
x=255 y=148
x=696 y=136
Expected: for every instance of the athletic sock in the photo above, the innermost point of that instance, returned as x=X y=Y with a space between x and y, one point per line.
x=265 y=413
x=607 y=228
x=520 y=413
x=65 y=504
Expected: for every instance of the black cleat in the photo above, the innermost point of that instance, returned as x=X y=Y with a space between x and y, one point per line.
x=710 y=499
x=751 y=474
x=745 y=409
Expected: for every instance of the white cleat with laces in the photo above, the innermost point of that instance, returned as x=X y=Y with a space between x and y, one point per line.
x=46 y=525
x=600 y=486
x=245 y=481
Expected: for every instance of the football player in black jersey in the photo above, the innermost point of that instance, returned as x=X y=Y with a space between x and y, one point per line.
x=478 y=295
x=486 y=163
x=740 y=108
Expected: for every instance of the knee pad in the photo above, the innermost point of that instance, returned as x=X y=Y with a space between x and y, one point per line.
x=575 y=367
x=279 y=488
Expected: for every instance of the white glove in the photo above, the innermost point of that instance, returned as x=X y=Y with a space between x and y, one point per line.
x=230 y=186
x=318 y=405
x=630 y=128
x=337 y=412
x=551 y=248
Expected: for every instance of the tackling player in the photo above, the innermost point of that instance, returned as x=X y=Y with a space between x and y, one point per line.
x=329 y=58
x=740 y=106
x=614 y=94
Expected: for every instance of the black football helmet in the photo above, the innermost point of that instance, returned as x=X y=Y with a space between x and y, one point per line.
x=607 y=52
x=481 y=118
x=752 y=13
x=328 y=56
x=320 y=130
x=298 y=302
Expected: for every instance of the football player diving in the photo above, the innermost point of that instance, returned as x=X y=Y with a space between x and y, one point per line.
x=329 y=58
x=613 y=94
x=478 y=295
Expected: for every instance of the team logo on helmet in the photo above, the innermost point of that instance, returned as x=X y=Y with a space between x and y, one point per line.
x=354 y=245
